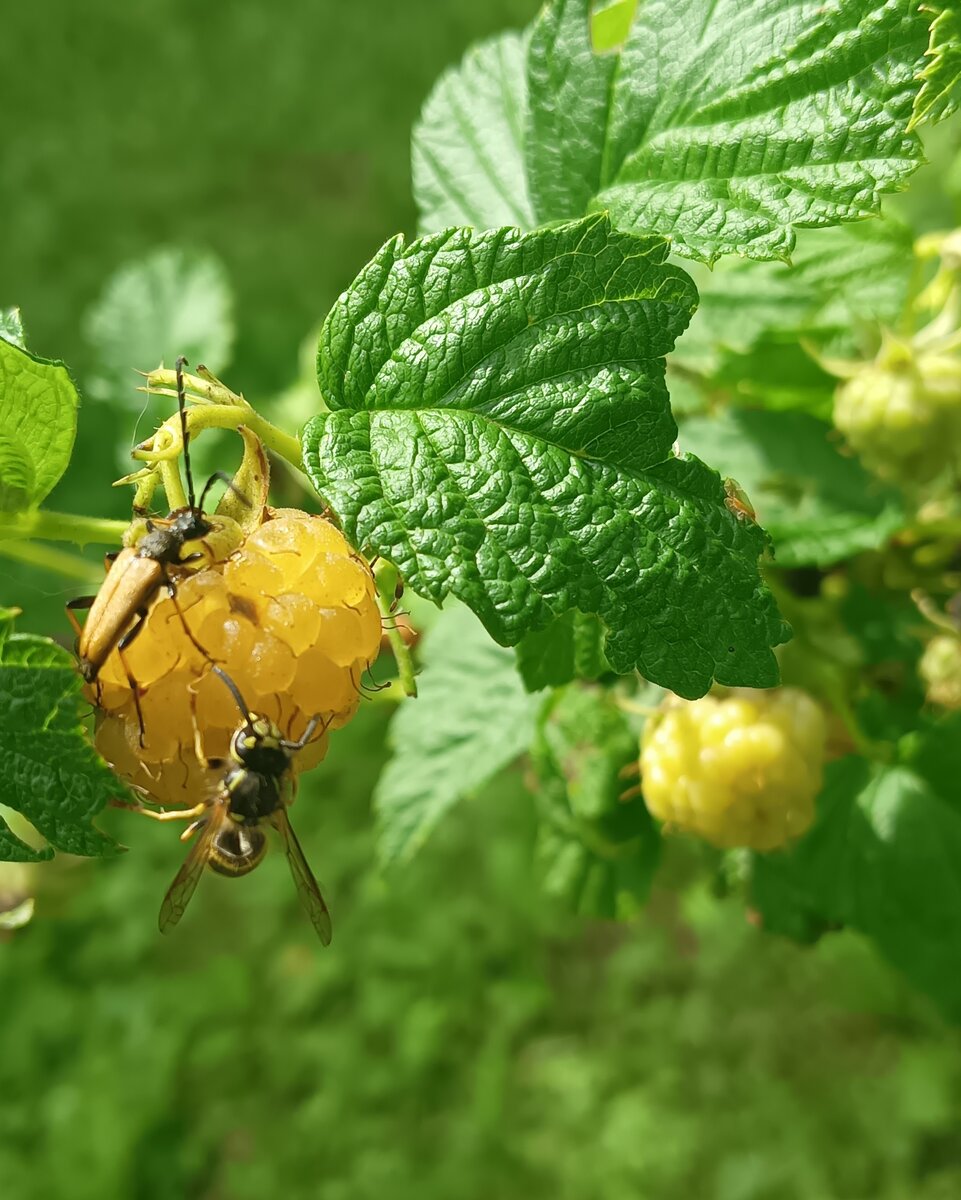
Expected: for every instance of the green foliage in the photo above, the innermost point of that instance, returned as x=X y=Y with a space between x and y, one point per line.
x=597 y=849
x=471 y=719
x=49 y=772
x=468 y=149
x=818 y=505
x=524 y=464
x=941 y=76
x=726 y=127
x=38 y=424
x=172 y=302
x=570 y=647
x=884 y=857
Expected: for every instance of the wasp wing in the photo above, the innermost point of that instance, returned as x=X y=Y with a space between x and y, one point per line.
x=306 y=884
x=184 y=885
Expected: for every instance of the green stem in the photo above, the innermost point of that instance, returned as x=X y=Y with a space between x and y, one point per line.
x=61 y=527
x=60 y=562
x=386 y=576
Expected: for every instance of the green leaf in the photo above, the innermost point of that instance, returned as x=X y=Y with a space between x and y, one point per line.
x=11 y=327
x=941 y=76
x=723 y=125
x=169 y=303
x=817 y=505
x=500 y=431
x=596 y=851
x=468 y=144
x=570 y=647
x=38 y=424
x=49 y=771
x=884 y=857
x=471 y=718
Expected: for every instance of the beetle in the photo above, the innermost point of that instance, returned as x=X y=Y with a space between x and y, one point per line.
x=257 y=788
x=136 y=574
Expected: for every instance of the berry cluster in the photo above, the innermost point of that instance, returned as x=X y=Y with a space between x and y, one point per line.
x=901 y=413
x=742 y=769
x=291 y=615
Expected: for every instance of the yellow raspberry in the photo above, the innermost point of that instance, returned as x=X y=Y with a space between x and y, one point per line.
x=940 y=669
x=291 y=616
x=742 y=769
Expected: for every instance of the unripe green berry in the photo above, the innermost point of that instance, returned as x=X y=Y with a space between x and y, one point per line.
x=940 y=669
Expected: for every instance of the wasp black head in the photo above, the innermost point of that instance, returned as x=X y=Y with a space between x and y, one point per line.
x=237 y=849
x=259 y=746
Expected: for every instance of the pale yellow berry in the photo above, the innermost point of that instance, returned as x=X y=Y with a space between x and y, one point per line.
x=742 y=769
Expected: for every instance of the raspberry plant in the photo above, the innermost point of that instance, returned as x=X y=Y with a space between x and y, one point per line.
x=533 y=411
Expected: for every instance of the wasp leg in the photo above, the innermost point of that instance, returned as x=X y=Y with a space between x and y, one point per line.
x=72 y=606
x=172 y=814
x=210 y=764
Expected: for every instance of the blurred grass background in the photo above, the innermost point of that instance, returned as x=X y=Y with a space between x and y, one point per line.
x=461 y=1039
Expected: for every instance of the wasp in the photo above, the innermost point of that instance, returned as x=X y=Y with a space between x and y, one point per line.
x=136 y=574
x=257 y=787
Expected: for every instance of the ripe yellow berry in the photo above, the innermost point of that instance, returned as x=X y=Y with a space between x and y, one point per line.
x=940 y=668
x=742 y=769
x=291 y=616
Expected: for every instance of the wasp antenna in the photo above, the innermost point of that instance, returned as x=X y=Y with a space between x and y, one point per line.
x=182 y=405
x=234 y=691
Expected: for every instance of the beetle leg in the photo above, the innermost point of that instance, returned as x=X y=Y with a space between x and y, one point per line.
x=122 y=645
x=172 y=593
x=79 y=602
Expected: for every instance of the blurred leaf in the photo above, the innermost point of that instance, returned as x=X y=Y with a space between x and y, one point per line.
x=49 y=771
x=933 y=751
x=884 y=857
x=817 y=505
x=570 y=647
x=839 y=281
x=500 y=430
x=471 y=718
x=38 y=424
x=11 y=327
x=941 y=76
x=611 y=23
x=468 y=144
x=172 y=302
x=596 y=851
x=723 y=125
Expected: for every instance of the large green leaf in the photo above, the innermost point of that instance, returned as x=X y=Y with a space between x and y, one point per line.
x=940 y=92
x=169 y=303
x=725 y=125
x=884 y=857
x=499 y=429
x=49 y=771
x=38 y=424
x=468 y=144
x=818 y=505
x=471 y=718
x=597 y=848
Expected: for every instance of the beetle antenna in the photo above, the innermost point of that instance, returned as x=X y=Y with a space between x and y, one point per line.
x=182 y=405
x=235 y=692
